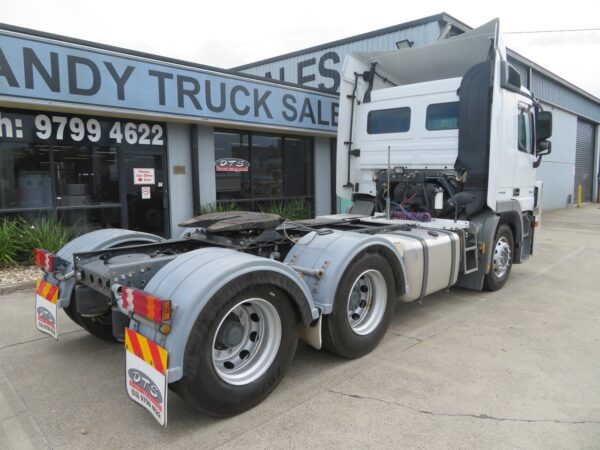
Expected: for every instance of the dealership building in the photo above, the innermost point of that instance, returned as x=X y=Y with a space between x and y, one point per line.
x=109 y=137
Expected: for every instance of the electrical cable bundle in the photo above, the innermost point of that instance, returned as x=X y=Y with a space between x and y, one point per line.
x=399 y=212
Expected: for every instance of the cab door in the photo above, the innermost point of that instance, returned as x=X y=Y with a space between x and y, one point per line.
x=524 y=172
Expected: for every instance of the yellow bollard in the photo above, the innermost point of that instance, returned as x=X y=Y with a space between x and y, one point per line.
x=579 y=190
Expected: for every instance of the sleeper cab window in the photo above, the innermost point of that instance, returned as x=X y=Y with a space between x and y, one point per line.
x=394 y=120
x=442 y=116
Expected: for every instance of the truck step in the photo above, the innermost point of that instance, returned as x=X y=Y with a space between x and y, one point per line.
x=470 y=259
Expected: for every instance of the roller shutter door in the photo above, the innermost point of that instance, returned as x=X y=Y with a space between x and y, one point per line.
x=584 y=160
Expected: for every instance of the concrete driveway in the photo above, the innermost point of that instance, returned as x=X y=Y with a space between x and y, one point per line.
x=518 y=368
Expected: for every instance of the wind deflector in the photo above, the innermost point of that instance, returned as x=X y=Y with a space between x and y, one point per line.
x=474 y=132
x=449 y=58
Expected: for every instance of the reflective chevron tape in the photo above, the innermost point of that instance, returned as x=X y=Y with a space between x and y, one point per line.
x=146 y=350
x=47 y=291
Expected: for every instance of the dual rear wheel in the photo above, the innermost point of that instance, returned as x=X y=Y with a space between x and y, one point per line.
x=239 y=348
x=363 y=307
x=245 y=337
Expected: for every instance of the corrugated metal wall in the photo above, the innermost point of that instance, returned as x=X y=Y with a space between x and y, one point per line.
x=420 y=35
x=584 y=160
x=558 y=167
x=553 y=92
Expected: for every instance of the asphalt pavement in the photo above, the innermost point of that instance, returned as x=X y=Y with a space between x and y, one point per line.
x=517 y=368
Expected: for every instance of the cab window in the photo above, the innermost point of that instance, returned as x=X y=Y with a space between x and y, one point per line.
x=525 y=135
x=442 y=116
x=394 y=120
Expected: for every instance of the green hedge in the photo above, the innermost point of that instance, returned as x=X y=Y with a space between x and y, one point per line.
x=18 y=238
x=288 y=210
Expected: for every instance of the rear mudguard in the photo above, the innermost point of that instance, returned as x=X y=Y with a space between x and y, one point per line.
x=324 y=257
x=192 y=279
x=95 y=240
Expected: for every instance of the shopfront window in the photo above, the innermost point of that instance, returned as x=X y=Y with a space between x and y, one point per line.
x=279 y=169
x=25 y=176
x=86 y=175
x=232 y=184
x=267 y=166
x=81 y=169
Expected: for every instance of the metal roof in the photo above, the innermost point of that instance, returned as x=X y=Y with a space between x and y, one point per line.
x=442 y=17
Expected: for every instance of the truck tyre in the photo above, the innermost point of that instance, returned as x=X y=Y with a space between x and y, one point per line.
x=363 y=307
x=239 y=348
x=100 y=326
x=502 y=259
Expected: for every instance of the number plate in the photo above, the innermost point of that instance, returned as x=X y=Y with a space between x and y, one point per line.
x=46 y=311
x=146 y=374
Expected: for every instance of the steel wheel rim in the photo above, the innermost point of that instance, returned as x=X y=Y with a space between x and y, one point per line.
x=366 y=302
x=502 y=257
x=246 y=341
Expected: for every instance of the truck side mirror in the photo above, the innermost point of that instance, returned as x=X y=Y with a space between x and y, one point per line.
x=543 y=126
x=544 y=148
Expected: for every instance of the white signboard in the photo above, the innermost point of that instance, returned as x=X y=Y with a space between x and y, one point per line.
x=143 y=176
x=145 y=192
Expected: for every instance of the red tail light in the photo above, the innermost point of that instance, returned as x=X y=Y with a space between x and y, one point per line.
x=146 y=305
x=43 y=259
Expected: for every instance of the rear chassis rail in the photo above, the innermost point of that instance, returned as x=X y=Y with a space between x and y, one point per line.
x=131 y=265
x=134 y=265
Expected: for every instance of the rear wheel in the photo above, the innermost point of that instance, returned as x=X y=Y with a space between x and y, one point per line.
x=502 y=259
x=363 y=307
x=239 y=349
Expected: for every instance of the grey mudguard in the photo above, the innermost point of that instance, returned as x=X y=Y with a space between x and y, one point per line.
x=327 y=255
x=95 y=240
x=192 y=279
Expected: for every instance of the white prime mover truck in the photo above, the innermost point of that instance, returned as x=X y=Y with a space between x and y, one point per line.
x=436 y=174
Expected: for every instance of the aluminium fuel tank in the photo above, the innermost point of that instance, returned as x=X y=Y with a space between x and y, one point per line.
x=431 y=258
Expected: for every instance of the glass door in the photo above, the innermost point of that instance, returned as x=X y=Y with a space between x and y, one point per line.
x=144 y=191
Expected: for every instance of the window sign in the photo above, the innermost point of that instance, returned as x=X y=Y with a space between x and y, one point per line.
x=231 y=165
x=69 y=129
x=143 y=175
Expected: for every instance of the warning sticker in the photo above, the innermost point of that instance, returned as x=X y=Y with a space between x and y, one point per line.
x=145 y=192
x=143 y=176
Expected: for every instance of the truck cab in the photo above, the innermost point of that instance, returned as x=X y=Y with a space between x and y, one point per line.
x=443 y=131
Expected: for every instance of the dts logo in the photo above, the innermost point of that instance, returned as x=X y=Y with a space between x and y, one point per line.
x=144 y=382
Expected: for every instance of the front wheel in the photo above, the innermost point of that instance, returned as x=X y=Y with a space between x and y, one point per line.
x=239 y=349
x=363 y=307
x=502 y=259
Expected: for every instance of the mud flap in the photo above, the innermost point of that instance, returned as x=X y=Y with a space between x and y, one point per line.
x=146 y=374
